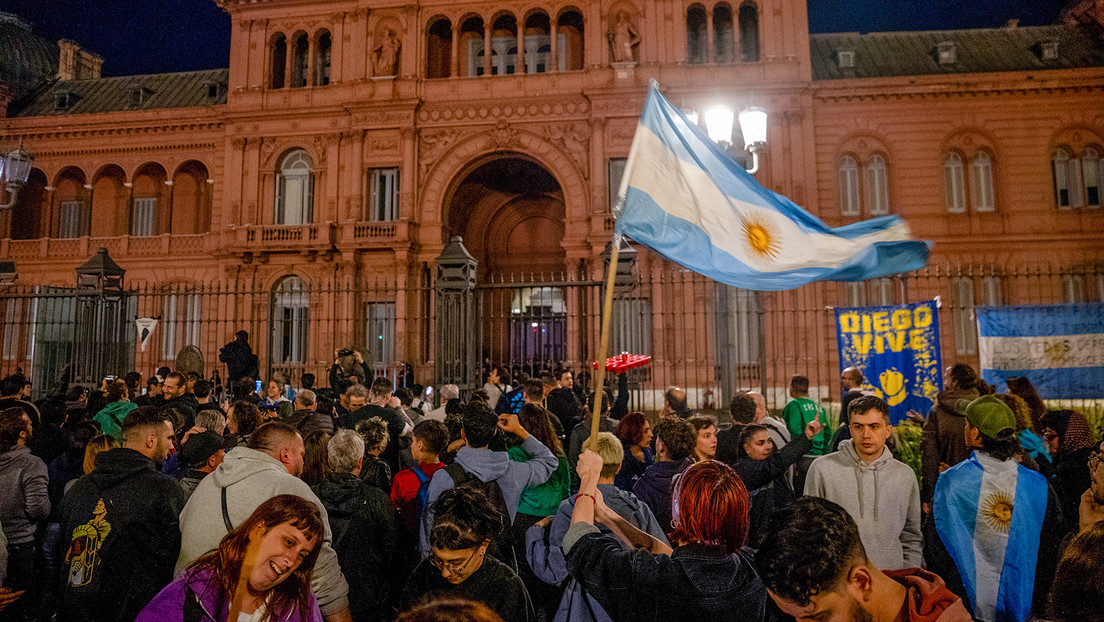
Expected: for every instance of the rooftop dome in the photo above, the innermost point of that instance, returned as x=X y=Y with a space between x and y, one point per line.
x=26 y=59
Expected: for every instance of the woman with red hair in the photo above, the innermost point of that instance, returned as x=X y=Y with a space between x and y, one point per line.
x=707 y=576
x=283 y=536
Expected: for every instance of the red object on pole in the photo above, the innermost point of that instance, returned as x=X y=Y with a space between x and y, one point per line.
x=623 y=362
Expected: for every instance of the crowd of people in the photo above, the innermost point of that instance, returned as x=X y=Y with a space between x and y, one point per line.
x=358 y=501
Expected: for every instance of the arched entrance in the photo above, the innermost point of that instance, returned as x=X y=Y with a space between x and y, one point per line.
x=510 y=212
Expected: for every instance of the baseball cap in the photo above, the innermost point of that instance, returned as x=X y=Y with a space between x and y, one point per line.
x=990 y=415
x=201 y=446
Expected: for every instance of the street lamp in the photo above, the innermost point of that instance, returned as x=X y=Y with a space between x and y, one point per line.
x=15 y=168
x=753 y=126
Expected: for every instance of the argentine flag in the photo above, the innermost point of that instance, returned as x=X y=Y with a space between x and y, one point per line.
x=684 y=198
x=989 y=514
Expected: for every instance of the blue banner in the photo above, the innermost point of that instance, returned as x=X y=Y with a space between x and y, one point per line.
x=1059 y=348
x=897 y=350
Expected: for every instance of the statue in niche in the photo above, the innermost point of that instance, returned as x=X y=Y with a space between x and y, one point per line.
x=623 y=37
x=387 y=55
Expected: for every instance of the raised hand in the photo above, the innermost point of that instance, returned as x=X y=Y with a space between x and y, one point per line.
x=814 y=427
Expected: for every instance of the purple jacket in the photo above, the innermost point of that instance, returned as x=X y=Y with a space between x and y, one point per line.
x=169 y=605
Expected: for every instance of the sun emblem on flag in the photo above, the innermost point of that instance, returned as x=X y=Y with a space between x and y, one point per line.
x=761 y=239
x=997 y=511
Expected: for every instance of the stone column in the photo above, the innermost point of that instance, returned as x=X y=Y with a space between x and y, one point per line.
x=553 y=52
x=454 y=58
x=519 y=59
x=487 y=49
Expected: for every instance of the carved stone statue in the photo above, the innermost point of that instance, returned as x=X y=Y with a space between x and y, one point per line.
x=387 y=55
x=623 y=37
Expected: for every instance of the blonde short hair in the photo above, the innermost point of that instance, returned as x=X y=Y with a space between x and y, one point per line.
x=609 y=448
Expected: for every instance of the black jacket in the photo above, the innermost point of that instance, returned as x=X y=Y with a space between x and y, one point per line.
x=240 y=362
x=1070 y=477
x=697 y=582
x=767 y=485
x=365 y=534
x=120 y=538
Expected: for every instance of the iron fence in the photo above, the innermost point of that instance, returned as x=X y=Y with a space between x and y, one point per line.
x=708 y=338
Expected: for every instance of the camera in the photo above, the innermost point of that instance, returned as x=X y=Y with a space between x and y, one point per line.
x=345 y=352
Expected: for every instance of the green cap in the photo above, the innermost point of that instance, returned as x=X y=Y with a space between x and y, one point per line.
x=990 y=415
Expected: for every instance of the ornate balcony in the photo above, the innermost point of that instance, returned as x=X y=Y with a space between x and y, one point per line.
x=310 y=238
x=365 y=234
x=120 y=247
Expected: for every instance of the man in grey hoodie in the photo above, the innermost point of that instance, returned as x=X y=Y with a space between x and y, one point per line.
x=24 y=502
x=878 y=491
x=480 y=426
x=247 y=477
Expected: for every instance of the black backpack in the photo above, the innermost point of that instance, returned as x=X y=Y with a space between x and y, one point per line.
x=502 y=544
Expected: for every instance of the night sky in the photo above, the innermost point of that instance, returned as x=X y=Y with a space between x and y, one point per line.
x=156 y=36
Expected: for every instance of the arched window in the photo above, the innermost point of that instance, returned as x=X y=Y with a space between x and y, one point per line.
x=295 y=189
x=300 y=47
x=322 y=52
x=290 y=322
x=877 y=186
x=723 y=44
x=695 y=34
x=1066 y=190
x=954 y=181
x=570 y=25
x=981 y=182
x=279 y=62
x=849 y=186
x=749 y=32
x=1092 y=172
x=439 y=49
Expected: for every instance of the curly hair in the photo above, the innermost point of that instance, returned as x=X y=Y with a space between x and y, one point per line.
x=1019 y=407
x=678 y=436
x=480 y=424
x=374 y=432
x=808 y=549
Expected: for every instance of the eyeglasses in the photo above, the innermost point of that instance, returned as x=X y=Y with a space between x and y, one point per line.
x=1050 y=436
x=1095 y=459
x=452 y=567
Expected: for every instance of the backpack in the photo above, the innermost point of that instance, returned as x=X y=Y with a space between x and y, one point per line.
x=502 y=544
x=421 y=500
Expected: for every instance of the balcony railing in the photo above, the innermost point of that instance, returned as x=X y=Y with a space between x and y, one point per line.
x=307 y=237
x=366 y=234
x=118 y=246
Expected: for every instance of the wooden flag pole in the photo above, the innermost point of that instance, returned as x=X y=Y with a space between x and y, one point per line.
x=603 y=346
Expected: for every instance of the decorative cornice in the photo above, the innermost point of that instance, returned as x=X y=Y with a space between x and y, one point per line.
x=36 y=133
x=844 y=93
x=499 y=110
x=39 y=152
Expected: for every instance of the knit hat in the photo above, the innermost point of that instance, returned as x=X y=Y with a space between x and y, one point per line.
x=990 y=415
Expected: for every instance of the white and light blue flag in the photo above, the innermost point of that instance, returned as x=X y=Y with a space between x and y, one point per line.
x=690 y=202
x=1059 y=348
x=989 y=514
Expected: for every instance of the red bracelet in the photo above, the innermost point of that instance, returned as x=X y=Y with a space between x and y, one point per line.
x=586 y=494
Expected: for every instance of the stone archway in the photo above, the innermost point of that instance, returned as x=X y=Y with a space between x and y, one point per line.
x=510 y=211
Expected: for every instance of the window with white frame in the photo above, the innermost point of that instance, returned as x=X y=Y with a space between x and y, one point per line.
x=1067 y=179
x=849 y=186
x=290 y=322
x=538 y=48
x=855 y=294
x=877 y=186
x=179 y=324
x=981 y=182
x=1092 y=169
x=295 y=189
x=143 y=217
x=380 y=331
x=615 y=174
x=383 y=194
x=962 y=316
x=882 y=291
x=1073 y=288
x=992 y=291
x=74 y=219
x=954 y=183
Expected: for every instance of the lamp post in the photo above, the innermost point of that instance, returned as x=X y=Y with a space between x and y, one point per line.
x=15 y=168
x=102 y=337
x=753 y=126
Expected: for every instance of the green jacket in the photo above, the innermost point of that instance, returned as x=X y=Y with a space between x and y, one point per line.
x=111 y=417
x=543 y=500
x=798 y=413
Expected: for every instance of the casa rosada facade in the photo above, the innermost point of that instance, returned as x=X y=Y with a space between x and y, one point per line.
x=350 y=140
